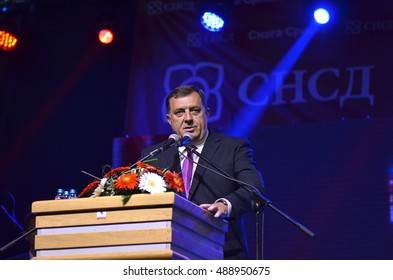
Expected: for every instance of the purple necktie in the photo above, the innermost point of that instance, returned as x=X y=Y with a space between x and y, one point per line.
x=187 y=172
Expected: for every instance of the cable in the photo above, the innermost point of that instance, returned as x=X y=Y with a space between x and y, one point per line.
x=12 y=216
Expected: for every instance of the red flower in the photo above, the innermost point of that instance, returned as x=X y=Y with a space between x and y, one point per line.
x=113 y=171
x=89 y=187
x=174 y=181
x=127 y=182
x=149 y=168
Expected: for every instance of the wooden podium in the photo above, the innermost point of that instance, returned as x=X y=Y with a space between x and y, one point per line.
x=148 y=226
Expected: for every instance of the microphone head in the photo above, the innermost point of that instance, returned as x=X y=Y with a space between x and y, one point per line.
x=174 y=136
x=172 y=140
x=188 y=135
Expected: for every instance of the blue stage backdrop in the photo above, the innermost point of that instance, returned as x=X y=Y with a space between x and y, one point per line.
x=270 y=65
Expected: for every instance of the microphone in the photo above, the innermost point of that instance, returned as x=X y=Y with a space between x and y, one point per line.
x=187 y=137
x=172 y=139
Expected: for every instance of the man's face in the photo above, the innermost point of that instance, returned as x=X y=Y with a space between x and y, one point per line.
x=187 y=114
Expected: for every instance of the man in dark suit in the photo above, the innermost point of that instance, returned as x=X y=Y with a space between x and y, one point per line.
x=187 y=112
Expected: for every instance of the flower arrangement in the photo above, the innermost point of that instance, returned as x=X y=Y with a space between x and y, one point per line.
x=126 y=181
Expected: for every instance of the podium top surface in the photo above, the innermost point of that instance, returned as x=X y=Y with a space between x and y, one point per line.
x=108 y=202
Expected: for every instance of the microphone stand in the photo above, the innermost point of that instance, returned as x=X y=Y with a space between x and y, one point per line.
x=149 y=156
x=165 y=146
x=5 y=247
x=257 y=202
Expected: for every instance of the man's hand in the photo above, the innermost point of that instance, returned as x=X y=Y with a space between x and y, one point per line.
x=219 y=209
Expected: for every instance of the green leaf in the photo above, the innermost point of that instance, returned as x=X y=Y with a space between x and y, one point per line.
x=150 y=160
x=125 y=198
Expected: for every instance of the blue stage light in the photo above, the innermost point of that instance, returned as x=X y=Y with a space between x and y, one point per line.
x=321 y=16
x=212 y=21
x=215 y=15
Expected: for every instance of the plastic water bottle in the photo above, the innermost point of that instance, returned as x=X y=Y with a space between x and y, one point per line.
x=66 y=195
x=73 y=194
x=59 y=194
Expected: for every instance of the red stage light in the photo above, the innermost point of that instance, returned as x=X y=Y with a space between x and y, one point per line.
x=8 y=41
x=105 y=36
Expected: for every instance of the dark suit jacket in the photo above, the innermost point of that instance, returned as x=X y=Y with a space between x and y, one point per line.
x=235 y=157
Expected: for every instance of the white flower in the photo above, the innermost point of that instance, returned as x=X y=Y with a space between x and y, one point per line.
x=99 y=188
x=152 y=183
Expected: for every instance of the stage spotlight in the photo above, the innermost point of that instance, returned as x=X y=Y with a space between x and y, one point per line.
x=321 y=16
x=105 y=36
x=214 y=15
x=8 y=41
x=107 y=28
x=9 y=35
x=212 y=22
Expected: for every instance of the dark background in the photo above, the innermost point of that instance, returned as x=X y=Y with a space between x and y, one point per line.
x=63 y=102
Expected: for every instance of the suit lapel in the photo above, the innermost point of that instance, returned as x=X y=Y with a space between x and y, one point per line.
x=170 y=160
